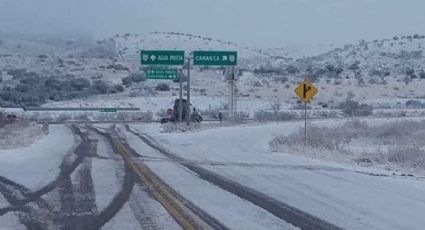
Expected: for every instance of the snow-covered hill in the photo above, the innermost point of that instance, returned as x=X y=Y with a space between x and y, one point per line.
x=375 y=72
x=386 y=57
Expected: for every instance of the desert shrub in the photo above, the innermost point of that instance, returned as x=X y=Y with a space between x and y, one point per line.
x=23 y=88
x=63 y=117
x=134 y=77
x=127 y=81
x=137 y=77
x=117 y=67
x=162 y=87
x=264 y=115
x=80 y=84
x=354 y=108
x=410 y=156
x=119 y=88
x=100 y=86
x=281 y=80
x=414 y=104
x=16 y=73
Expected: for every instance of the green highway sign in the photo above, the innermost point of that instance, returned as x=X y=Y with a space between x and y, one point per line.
x=108 y=110
x=215 y=58
x=161 y=74
x=162 y=57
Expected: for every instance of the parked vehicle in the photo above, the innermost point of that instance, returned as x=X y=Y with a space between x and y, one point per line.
x=12 y=118
x=172 y=115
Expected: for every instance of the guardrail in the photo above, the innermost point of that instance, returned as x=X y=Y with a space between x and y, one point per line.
x=92 y=109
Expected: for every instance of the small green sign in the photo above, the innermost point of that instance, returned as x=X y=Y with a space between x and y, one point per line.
x=219 y=58
x=161 y=74
x=108 y=110
x=162 y=57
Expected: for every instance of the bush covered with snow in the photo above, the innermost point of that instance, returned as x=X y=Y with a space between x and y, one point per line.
x=162 y=87
x=354 y=108
x=263 y=116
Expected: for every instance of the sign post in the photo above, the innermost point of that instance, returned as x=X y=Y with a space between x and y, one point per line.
x=220 y=58
x=188 y=93
x=180 y=108
x=306 y=91
x=168 y=58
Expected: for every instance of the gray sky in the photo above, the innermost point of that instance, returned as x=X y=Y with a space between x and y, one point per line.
x=262 y=23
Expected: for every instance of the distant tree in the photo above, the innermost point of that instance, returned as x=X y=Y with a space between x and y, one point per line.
x=407 y=80
x=396 y=38
x=80 y=83
x=330 y=67
x=127 y=81
x=410 y=71
x=422 y=74
x=100 y=86
x=118 y=88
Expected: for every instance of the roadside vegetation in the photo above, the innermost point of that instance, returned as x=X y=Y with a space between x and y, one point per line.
x=393 y=144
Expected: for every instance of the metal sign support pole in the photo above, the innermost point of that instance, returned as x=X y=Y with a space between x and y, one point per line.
x=181 y=96
x=188 y=93
x=230 y=73
x=305 y=122
x=235 y=96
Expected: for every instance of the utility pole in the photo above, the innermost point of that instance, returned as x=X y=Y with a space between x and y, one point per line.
x=188 y=93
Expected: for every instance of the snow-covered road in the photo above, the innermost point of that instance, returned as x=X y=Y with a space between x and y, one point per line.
x=346 y=196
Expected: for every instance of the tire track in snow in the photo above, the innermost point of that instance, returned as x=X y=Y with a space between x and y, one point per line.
x=282 y=210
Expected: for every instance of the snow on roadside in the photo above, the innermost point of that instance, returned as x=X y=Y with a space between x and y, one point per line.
x=346 y=195
x=10 y=221
x=37 y=164
x=19 y=134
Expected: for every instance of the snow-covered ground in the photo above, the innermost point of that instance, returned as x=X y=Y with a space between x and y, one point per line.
x=37 y=164
x=17 y=135
x=230 y=210
x=346 y=195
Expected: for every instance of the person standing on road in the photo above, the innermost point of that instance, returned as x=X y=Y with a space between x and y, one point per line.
x=220 y=116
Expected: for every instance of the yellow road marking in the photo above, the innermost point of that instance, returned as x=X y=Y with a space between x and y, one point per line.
x=173 y=206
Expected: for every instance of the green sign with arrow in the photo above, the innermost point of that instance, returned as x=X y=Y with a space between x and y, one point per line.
x=162 y=57
x=219 y=58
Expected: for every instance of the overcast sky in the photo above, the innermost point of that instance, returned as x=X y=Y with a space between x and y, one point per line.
x=262 y=23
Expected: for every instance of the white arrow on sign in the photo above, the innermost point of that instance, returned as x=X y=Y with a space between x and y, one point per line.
x=153 y=57
x=224 y=58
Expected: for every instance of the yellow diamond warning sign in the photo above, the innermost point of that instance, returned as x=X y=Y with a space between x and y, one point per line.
x=306 y=91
